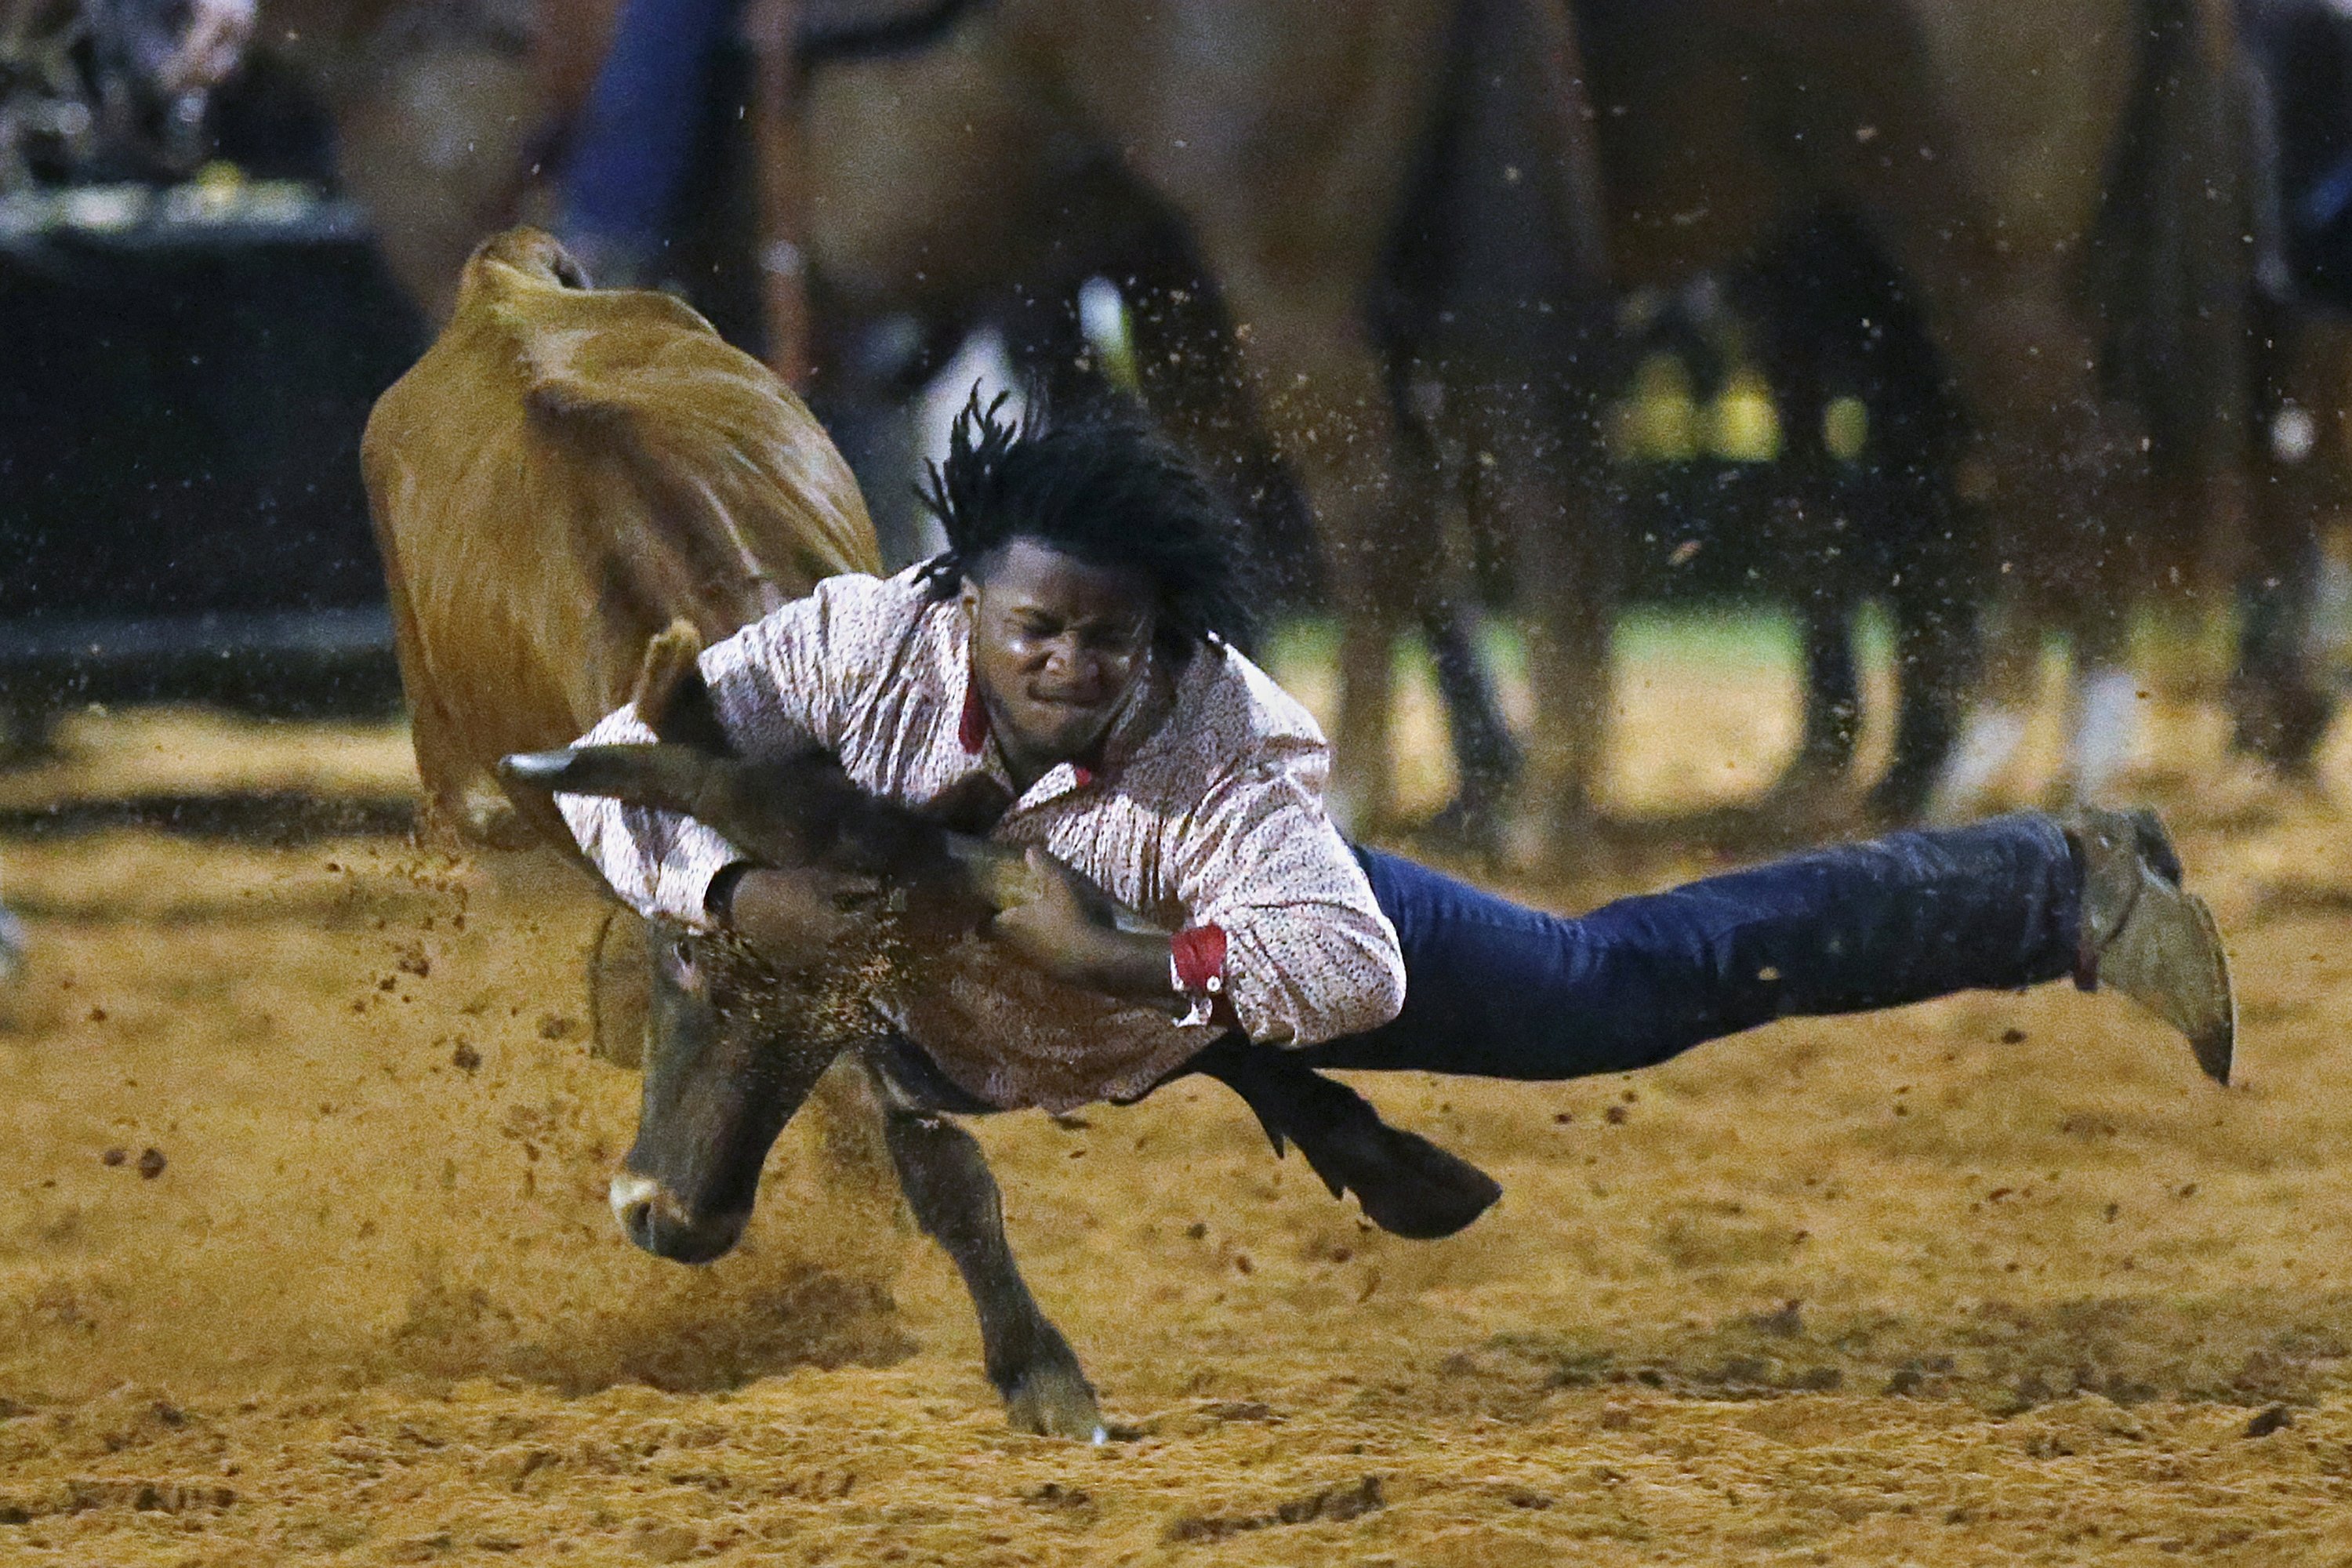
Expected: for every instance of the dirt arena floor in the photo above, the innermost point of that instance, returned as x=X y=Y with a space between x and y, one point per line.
x=304 y=1253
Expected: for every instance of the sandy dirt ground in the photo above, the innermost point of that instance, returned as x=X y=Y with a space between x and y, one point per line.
x=304 y=1254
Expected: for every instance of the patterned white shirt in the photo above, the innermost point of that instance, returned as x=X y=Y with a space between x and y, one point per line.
x=1207 y=811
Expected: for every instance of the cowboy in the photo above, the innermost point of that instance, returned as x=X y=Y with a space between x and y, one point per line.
x=1065 y=676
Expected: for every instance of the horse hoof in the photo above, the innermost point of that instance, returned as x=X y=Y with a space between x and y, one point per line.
x=1055 y=1401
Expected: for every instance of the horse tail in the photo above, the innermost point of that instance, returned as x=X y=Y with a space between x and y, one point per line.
x=2172 y=271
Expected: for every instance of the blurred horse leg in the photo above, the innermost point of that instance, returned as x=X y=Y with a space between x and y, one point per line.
x=1533 y=478
x=2279 y=706
x=1323 y=390
x=1786 y=295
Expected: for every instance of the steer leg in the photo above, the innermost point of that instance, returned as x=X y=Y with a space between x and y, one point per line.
x=955 y=1201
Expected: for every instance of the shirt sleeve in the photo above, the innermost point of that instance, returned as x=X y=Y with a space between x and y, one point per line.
x=1308 y=955
x=782 y=687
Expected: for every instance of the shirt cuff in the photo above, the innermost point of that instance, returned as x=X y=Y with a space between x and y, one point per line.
x=682 y=884
x=1199 y=958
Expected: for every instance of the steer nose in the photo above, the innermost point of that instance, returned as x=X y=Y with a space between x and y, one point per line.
x=654 y=1221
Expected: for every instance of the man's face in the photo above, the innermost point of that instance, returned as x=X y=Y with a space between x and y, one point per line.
x=1055 y=643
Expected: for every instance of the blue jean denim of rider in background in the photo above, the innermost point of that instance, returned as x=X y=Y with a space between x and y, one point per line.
x=1496 y=989
x=630 y=151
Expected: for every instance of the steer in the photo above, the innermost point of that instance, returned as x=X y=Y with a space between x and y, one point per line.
x=573 y=491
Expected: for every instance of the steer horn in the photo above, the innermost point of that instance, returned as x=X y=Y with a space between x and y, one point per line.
x=784 y=815
x=788 y=814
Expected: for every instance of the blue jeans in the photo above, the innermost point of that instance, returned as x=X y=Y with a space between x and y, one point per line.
x=631 y=151
x=1498 y=990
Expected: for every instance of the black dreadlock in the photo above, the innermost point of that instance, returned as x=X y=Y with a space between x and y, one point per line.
x=1106 y=492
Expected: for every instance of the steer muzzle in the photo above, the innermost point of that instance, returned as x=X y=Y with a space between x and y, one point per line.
x=656 y=1222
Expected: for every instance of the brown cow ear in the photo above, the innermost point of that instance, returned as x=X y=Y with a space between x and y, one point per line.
x=671 y=697
x=669 y=654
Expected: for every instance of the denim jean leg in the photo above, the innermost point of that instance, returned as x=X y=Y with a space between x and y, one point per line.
x=1498 y=990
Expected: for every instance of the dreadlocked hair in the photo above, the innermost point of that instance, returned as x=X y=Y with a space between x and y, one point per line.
x=1106 y=492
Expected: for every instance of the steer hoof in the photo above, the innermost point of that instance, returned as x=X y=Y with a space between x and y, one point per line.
x=1055 y=1402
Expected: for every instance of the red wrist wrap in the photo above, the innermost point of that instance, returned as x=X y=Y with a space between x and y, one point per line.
x=1200 y=954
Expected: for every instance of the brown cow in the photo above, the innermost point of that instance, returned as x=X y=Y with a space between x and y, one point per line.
x=573 y=491
x=564 y=474
x=562 y=477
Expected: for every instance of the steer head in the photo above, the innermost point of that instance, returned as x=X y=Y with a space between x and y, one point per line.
x=733 y=1051
x=736 y=1043
x=737 y=1040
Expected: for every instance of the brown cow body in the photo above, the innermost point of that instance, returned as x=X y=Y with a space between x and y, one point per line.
x=564 y=474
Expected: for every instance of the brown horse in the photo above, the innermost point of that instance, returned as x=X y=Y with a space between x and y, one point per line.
x=1290 y=145
x=2056 y=189
x=2055 y=197
x=1024 y=143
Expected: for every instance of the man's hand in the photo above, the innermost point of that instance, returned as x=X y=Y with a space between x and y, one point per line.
x=1071 y=929
x=1057 y=927
x=790 y=917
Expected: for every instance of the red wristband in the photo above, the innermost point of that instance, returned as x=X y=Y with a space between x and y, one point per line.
x=1198 y=956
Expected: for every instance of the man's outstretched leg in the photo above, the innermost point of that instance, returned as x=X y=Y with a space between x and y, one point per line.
x=1498 y=990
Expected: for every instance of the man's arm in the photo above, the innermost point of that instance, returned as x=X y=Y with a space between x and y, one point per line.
x=1071 y=930
x=780 y=688
x=1286 y=942
x=1301 y=950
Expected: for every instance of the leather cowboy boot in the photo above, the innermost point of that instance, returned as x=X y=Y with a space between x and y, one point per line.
x=1407 y=1184
x=2141 y=934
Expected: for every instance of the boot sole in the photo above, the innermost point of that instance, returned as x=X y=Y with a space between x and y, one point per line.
x=2216 y=1048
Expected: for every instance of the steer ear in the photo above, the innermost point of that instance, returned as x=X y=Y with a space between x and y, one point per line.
x=671 y=697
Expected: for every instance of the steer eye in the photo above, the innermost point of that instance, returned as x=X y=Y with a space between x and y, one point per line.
x=679 y=965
